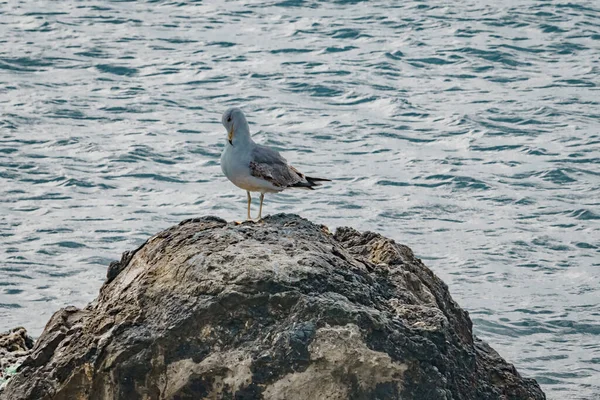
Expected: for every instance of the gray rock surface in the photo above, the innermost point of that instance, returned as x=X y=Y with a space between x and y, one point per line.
x=278 y=310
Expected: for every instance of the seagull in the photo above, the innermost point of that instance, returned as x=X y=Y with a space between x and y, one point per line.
x=254 y=167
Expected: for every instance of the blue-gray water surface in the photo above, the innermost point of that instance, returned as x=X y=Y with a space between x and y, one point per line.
x=469 y=131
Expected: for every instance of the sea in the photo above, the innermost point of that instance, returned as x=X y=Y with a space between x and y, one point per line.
x=469 y=131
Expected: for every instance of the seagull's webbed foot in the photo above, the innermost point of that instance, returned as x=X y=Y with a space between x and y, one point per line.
x=247 y=221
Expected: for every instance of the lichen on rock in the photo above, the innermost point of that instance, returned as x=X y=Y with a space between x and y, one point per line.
x=15 y=345
x=282 y=309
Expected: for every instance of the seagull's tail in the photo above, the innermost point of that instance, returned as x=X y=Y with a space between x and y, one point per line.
x=310 y=183
x=314 y=181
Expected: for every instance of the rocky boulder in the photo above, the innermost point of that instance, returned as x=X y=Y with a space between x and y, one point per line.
x=281 y=309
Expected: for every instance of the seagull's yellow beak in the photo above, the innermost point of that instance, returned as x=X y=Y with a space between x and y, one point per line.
x=230 y=136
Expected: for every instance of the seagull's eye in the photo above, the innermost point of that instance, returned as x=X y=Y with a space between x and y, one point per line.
x=229 y=119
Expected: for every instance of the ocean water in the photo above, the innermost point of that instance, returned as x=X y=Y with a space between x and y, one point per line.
x=469 y=131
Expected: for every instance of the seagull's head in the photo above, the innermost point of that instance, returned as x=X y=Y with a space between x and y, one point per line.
x=235 y=122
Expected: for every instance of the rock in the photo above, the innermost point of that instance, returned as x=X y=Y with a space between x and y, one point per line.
x=278 y=310
x=15 y=345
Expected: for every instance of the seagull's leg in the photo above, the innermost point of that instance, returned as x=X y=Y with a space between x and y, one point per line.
x=249 y=201
x=262 y=197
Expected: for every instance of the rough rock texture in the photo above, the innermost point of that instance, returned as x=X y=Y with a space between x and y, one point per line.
x=278 y=310
x=15 y=345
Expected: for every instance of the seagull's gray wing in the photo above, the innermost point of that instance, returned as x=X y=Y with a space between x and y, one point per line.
x=268 y=164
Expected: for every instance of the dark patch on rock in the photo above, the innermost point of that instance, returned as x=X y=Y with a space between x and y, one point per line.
x=277 y=310
x=116 y=267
